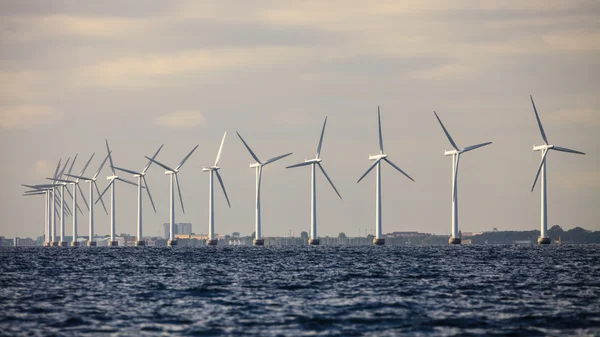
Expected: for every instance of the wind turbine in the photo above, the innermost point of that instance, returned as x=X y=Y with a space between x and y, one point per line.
x=258 y=240
x=378 y=240
x=141 y=177
x=455 y=238
x=47 y=210
x=314 y=238
x=113 y=242
x=544 y=239
x=173 y=176
x=62 y=185
x=211 y=204
x=92 y=182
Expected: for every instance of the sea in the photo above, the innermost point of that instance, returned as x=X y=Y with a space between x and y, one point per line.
x=463 y=290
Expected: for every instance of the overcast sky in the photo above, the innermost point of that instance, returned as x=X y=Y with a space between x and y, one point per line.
x=180 y=73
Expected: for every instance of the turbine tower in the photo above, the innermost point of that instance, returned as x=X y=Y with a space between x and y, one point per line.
x=92 y=182
x=544 y=239
x=378 y=240
x=211 y=204
x=455 y=238
x=141 y=177
x=314 y=238
x=113 y=242
x=258 y=240
x=172 y=173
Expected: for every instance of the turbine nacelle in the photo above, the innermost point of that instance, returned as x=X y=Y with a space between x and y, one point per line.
x=313 y=161
x=542 y=147
x=452 y=152
x=112 y=177
x=255 y=165
x=211 y=168
x=377 y=156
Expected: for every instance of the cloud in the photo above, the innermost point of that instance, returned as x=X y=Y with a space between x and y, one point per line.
x=586 y=179
x=43 y=168
x=583 y=116
x=27 y=116
x=181 y=119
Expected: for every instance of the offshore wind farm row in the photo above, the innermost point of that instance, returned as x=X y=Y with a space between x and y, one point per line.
x=66 y=181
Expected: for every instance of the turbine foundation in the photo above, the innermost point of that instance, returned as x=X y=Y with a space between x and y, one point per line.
x=258 y=242
x=53 y=244
x=75 y=244
x=212 y=242
x=379 y=242
x=314 y=242
x=46 y=244
x=91 y=243
x=172 y=243
x=140 y=243
x=454 y=241
x=62 y=244
x=113 y=243
x=544 y=241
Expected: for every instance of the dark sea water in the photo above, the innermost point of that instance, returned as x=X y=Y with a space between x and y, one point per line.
x=292 y=291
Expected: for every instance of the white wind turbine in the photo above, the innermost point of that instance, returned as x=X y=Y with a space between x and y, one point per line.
x=378 y=240
x=75 y=184
x=62 y=184
x=544 y=239
x=314 y=238
x=455 y=238
x=258 y=240
x=51 y=200
x=47 y=210
x=172 y=173
x=92 y=182
x=141 y=177
x=211 y=200
x=112 y=185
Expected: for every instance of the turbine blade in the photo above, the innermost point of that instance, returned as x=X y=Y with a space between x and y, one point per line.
x=369 y=170
x=61 y=180
x=564 y=149
x=148 y=191
x=542 y=163
x=321 y=139
x=126 y=170
x=397 y=168
x=277 y=158
x=446 y=132
x=57 y=168
x=150 y=162
x=64 y=168
x=537 y=117
x=83 y=197
x=179 y=190
x=329 y=179
x=127 y=181
x=473 y=147
x=186 y=157
x=300 y=164
x=160 y=164
x=249 y=149
x=220 y=149
x=110 y=158
x=73 y=163
x=101 y=201
x=106 y=189
x=223 y=187
x=380 y=135
x=86 y=165
x=101 y=166
x=454 y=189
x=78 y=177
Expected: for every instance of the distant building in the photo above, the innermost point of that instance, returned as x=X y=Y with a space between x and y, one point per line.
x=25 y=242
x=4 y=242
x=404 y=234
x=178 y=228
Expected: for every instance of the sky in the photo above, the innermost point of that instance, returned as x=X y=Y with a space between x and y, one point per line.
x=181 y=73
